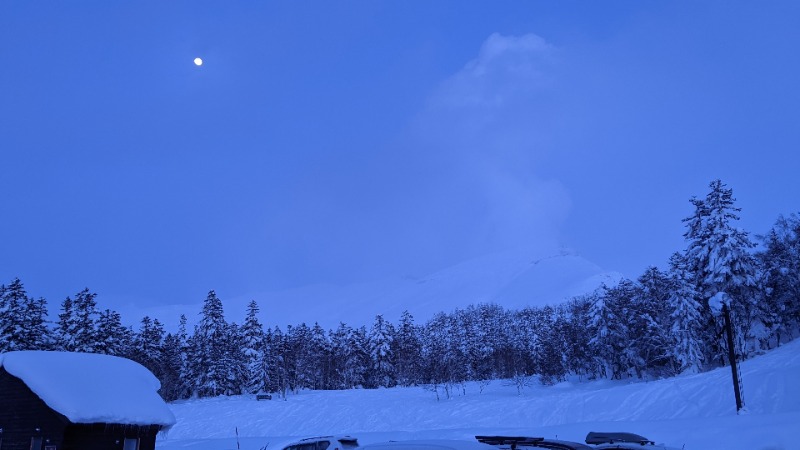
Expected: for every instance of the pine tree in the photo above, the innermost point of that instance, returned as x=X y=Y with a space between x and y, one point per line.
x=719 y=256
x=359 y=361
x=35 y=333
x=614 y=341
x=148 y=346
x=112 y=337
x=23 y=320
x=233 y=365
x=185 y=370
x=12 y=311
x=780 y=259
x=341 y=352
x=488 y=335
x=651 y=319
x=551 y=357
x=275 y=343
x=208 y=345
x=526 y=343
x=686 y=318
x=298 y=357
x=443 y=367
x=172 y=360
x=577 y=334
x=407 y=350
x=321 y=351
x=379 y=346
x=253 y=351
x=66 y=328
x=84 y=315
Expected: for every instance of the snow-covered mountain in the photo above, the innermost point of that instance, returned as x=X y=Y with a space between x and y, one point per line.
x=512 y=279
x=689 y=411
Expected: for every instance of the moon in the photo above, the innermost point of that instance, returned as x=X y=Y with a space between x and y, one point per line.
x=198 y=61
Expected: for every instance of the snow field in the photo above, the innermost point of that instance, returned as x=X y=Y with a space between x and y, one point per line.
x=695 y=411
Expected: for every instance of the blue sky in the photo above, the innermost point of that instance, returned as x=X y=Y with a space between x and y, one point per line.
x=339 y=142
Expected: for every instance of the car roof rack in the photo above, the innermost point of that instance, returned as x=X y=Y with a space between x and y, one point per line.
x=340 y=438
x=596 y=437
x=513 y=441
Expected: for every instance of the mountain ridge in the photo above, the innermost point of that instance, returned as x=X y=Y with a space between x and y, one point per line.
x=512 y=279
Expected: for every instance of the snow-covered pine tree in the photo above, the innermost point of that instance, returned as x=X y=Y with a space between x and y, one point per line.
x=577 y=334
x=685 y=319
x=253 y=351
x=12 y=311
x=652 y=322
x=464 y=326
x=35 y=333
x=233 y=364
x=172 y=356
x=379 y=345
x=505 y=355
x=719 y=255
x=208 y=345
x=601 y=338
x=526 y=344
x=148 y=346
x=488 y=326
x=84 y=316
x=444 y=366
x=781 y=262
x=407 y=351
x=614 y=340
x=551 y=367
x=113 y=338
x=346 y=358
x=186 y=374
x=298 y=357
x=320 y=374
x=65 y=327
x=358 y=360
x=275 y=344
x=76 y=329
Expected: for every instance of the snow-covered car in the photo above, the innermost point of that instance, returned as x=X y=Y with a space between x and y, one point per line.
x=428 y=444
x=516 y=442
x=324 y=443
x=594 y=441
x=622 y=440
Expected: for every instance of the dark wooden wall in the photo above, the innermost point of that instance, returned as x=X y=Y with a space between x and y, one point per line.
x=101 y=436
x=22 y=412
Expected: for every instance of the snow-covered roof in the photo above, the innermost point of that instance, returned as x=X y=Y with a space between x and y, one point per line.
x=91 y=388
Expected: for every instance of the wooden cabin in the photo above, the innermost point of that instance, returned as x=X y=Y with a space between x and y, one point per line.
x=78 y=401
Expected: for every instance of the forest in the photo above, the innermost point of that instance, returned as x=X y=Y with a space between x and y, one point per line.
x=663 y=323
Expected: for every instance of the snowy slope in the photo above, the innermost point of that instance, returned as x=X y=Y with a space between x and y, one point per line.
x=692 y=410
x=512 y=279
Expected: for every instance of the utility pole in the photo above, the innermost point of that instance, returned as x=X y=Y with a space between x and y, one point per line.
x=726 y=312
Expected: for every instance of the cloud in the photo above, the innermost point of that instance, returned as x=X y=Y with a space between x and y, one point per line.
x=461 y=181
x=487 y=129
x=506 y=67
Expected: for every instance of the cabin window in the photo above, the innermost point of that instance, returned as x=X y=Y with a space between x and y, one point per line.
x=131 y=444
x=36 y=443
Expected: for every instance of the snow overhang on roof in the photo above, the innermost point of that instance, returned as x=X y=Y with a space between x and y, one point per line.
x=91 y=388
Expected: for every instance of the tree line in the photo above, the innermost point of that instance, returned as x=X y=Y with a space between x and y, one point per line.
x=661 y=324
